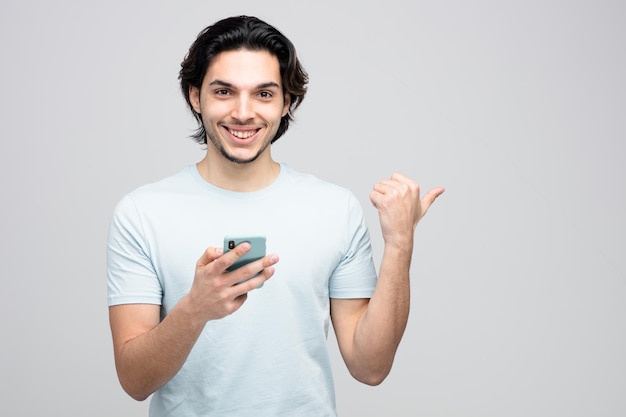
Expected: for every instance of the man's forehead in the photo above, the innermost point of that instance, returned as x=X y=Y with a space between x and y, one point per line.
x=244 y=66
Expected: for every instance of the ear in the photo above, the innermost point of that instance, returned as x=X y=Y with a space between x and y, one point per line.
x=286 y=105
x=194 y=98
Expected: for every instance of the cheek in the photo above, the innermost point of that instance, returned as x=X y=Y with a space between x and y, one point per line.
x=215 y=110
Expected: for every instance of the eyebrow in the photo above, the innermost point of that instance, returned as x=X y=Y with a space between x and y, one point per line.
x=268 y=84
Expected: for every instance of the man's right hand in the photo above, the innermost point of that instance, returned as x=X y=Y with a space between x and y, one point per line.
x=215 y=293
x=148 y=351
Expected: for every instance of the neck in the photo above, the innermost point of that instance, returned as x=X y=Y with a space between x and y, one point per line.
x=247 y=177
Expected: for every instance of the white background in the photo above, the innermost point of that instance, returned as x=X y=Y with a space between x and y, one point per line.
x=516 y=107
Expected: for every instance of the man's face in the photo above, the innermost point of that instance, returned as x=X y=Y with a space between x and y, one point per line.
x=241 y=102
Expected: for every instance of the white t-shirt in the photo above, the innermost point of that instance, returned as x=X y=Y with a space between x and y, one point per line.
x=270 y=357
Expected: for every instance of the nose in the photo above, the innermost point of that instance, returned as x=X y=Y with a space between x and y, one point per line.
x=242 y=111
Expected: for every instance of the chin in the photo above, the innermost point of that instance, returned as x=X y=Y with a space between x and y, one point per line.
x=240 y=160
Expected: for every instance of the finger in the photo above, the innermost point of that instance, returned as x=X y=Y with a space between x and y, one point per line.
x=238 y=301
x=397 y=176
x=383 y=186
x=230 y=257
x=253 y=268
x=397 y=181
x=388 y=188
x=254 y=282
x=209 y=255
x=376 y=197
x=391 y=189
x=383 y=193
x=430 y=197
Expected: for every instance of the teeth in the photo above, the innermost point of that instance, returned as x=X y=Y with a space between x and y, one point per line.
x=242 y=134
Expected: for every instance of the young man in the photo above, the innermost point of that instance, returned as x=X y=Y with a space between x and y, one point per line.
x=185 y=329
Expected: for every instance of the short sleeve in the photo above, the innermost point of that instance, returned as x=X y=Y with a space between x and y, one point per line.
x=355 y=276
x=131 y=277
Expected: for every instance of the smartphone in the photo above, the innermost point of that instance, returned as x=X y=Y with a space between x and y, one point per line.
x=257 y=251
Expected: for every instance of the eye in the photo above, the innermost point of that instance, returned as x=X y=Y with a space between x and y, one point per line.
x=222 y=92
x=265 y=95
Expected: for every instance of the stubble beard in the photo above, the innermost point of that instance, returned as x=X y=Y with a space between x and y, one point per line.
x=213 y=137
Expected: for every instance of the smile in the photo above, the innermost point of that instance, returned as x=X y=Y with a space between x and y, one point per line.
x=242 y=134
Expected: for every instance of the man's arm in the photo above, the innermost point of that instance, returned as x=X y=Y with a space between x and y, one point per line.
x=149 y=352
x=369 y=331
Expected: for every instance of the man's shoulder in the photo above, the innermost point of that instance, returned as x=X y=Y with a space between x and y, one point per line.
x=311 y=182
x=174 y=182
x=159 y=191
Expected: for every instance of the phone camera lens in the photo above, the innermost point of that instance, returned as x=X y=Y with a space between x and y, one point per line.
x=231 y=244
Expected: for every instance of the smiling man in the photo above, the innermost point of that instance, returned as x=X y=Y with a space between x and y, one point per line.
x=247 y=113
x=186 y=330
x=241 y=104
